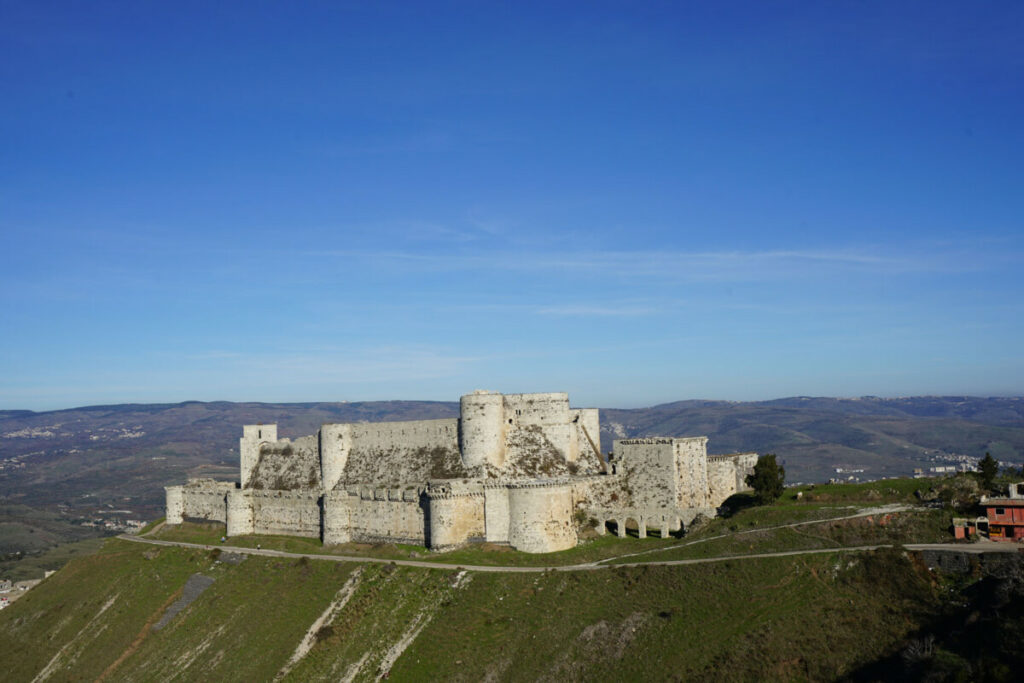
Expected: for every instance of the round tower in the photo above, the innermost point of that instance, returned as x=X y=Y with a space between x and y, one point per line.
x=482 y=429
x=540 y=518
x=175 y=504
x=335 y=445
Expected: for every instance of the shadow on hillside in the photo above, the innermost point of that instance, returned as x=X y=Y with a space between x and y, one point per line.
x=973 y=638
x=735 y=503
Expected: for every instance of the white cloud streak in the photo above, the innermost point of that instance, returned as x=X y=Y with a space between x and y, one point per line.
x=696 y=266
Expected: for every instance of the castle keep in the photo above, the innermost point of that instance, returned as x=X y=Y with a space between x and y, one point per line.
x=521 y=469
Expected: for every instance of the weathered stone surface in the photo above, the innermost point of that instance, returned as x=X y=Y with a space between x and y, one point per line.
x=522 y=469
x=456 y=515
x=370 y=519
x=198 y=499
x=727 y=475
x=175 y=504
x=540 y=518
x=284 y=465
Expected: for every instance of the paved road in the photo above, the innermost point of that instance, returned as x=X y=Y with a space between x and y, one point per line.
x=590 y=566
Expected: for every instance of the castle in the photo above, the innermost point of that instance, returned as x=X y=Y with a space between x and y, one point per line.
x=519 y=469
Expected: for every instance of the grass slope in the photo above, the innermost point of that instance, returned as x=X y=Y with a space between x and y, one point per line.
x=76 y=622
x=813 y=617
x=244 y=627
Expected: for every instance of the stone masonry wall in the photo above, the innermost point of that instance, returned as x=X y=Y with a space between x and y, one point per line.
x=249 y=447
x=692 y=466
x=648 y=471
x=287 y=513
x=240 y=512
x=456 y=514
x=335 y=445
x=496 y=514
x=287 y=466
x=744 y=465
x=550 y=412
x=205 y=499
x=588 y=435
x=175 y=504
x=482 y=429
x=396 y=454
x=337 y=518
x=727 y=474
x=540 y=518
x=386 y=516
x=721 y=478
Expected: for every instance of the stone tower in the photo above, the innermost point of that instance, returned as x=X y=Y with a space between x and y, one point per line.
x=482 y=429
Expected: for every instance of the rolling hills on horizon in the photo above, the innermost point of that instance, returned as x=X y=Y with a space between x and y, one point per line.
x=64 y=474
x=125 y=454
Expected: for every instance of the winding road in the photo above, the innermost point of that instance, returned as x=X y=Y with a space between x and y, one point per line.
x=973 y=548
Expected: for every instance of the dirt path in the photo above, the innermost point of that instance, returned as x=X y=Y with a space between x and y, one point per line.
x=143 y=632
x=155 y=529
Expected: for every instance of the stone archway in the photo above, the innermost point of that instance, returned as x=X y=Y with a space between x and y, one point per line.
x=633 y=525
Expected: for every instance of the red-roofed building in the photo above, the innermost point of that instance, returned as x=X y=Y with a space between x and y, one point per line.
x=1006 y=515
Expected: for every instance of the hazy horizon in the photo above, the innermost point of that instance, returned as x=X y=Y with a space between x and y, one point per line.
x=573 y=402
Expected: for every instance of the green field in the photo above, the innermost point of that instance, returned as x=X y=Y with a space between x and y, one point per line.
x=34 y=566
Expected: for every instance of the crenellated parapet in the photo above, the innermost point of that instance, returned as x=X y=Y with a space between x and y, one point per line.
x=519 y=469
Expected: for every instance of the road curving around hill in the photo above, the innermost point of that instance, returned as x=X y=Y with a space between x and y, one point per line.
x=974 y=548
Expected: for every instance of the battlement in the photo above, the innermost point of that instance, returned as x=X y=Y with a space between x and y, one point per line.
x=512 y=468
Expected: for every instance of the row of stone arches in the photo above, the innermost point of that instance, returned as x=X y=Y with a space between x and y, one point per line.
x=637 y=525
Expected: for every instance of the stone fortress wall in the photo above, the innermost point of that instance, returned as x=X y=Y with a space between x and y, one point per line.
x=521 y=469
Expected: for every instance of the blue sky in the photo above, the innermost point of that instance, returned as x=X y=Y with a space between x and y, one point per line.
x=632 y=202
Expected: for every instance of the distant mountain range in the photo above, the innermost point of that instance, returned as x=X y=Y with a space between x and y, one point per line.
x=103 y=458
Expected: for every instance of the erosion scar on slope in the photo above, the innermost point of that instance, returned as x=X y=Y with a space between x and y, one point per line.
x=51 y=667
x=417 y=625
x=396 y=650
x=327 y=616
x=143 y=632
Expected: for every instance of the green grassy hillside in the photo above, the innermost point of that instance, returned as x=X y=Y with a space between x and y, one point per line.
x=835 y=615
x=775 y=618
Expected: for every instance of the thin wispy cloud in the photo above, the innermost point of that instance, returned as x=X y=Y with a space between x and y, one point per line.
x=596 y=311
x=676 y=265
